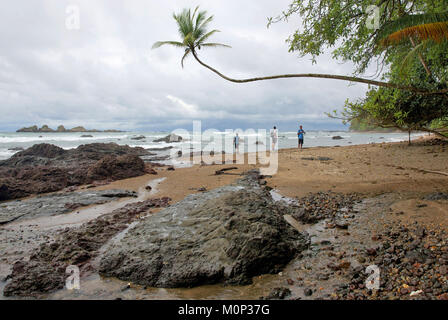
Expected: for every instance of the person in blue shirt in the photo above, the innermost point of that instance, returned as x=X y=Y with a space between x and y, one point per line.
x=236 y=142
x=300 y=134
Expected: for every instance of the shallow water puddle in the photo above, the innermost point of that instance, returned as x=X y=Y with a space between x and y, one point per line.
x=19 y=239
x=81 y=216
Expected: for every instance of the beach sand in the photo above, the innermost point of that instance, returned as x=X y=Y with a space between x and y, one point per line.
x=370 y=170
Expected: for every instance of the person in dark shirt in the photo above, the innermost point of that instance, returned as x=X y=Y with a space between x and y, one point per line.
x=300 y=135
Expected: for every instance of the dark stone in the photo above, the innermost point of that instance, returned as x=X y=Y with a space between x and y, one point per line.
x=278 y=294
x=308 y=292
x=170 y=138
x=195 y=243
x=138 y=138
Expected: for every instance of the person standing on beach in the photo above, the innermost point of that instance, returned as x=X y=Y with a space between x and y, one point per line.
x=236 y=142
x=300 y=134
x=274 y=138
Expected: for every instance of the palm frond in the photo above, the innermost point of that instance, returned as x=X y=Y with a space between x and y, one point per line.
x=183 y=22
x=205 y=23
x=417 y=50
x=201 y=15
x=206 y=36
x=187 y=52
x=425 y=26
x=214 y=45
x=158 y=44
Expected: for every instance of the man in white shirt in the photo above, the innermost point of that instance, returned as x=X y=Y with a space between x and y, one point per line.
x=274 y=138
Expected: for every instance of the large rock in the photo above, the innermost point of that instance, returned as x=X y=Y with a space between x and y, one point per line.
x=48 y=168
x=116 y=168
x=29 y=129
x=229 y=235
x=61 y=128
x=141 y=137
x=42 y=150
x=45 y=128
x=170 y=138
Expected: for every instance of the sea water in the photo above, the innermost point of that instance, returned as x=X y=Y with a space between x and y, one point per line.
x=69 y=140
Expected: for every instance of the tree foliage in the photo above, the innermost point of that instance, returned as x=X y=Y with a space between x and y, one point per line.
x=192 y=27
x=345 y=27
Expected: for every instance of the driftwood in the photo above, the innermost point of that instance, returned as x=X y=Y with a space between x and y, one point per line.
x=430 y=171
x=223 y=171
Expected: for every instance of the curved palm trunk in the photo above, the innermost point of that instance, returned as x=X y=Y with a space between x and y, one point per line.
x=317 y=75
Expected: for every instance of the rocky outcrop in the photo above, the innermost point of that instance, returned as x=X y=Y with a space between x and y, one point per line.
x=29 y=129
x=57 y=203
x=45 y=270
x=227 y=235
x=80 y=129
x=48 y=168
x=42 y=150
x=138 y=138
x=45 y=128
x=170 y=138
x=116 y=168
x=61 y=128
x=337 y=138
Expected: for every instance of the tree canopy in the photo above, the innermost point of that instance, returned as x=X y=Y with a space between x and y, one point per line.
x=345 y=26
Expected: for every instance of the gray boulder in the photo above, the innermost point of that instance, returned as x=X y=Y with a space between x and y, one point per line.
x=227 y=235
x=170 y=138
x=138 y=138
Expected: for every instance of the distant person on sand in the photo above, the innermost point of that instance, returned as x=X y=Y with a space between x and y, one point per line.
x=274 y=138
x=300 y=134
x=236 y=142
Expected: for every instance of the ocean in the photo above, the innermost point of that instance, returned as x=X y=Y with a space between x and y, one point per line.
x=68 y=140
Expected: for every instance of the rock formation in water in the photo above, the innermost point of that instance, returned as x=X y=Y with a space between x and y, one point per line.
x=170 y=138
x=61 y=128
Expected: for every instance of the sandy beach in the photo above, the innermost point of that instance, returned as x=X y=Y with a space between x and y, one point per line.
x=370 y=170
x=350 y=201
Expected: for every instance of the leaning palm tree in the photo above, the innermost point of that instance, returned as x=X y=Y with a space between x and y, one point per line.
x=194 y=34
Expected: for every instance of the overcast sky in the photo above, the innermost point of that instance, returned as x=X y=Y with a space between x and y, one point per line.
x=105 y=75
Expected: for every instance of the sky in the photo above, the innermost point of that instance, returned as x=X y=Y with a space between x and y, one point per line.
x=104 y=75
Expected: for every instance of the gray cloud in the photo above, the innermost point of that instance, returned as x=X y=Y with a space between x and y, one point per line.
x=105 y=75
